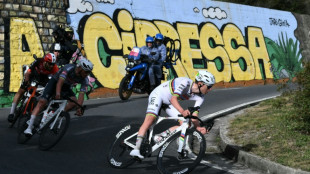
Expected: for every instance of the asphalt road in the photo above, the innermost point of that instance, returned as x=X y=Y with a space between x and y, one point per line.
x=84 y=147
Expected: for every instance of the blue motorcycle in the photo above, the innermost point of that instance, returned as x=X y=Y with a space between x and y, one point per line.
x=136 y=79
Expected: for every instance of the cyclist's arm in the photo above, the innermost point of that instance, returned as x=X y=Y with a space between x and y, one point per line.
x=59 y=86
x=174 y=101
x=27 y=76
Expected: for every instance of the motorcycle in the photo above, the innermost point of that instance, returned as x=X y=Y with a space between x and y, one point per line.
x=136 y=79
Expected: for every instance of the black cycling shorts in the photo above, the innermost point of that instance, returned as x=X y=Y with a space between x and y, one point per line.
x=50 y=90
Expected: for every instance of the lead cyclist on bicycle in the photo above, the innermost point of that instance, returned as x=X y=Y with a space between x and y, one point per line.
x=61 y=83
x=169 y=93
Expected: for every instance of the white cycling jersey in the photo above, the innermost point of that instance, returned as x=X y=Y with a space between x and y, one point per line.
x=180 y=87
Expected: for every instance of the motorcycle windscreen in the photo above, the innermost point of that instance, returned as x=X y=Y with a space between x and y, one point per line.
x=134 y=53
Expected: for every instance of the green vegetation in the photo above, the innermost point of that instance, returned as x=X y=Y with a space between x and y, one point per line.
x=278 y=129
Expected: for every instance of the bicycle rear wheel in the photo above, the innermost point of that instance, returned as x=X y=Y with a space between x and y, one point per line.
x=50 y=136
x=169 y=160
x=118 y=156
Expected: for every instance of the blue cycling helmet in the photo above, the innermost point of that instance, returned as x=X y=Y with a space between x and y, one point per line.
x=149 y=39
x=159 y=36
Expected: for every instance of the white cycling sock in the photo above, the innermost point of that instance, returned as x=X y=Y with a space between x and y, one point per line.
x=139 y=141
x=31 y=121
x=13 y=108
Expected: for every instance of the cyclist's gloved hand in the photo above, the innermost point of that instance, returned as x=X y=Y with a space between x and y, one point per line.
x=79 y=112
x=202 y=130
x=186 y=113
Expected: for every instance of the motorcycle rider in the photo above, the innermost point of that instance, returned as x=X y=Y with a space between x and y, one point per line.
x=159 y=38
x=169 y=93
x=60 y=84
x=39 y=70
x=154 y=67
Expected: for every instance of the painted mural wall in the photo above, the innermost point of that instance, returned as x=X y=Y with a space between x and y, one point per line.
x=234 y=42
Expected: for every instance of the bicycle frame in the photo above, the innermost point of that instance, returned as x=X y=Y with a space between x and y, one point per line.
x=62 y=106
x=181 y=128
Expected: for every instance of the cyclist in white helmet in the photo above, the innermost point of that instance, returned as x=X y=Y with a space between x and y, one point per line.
x=169 y=93
x=60 y=84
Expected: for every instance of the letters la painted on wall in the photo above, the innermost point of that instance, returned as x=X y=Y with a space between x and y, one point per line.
x=234 y=42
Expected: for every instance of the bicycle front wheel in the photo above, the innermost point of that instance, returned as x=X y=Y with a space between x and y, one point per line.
x=118 y=156
x=169 y=160
x=22 y=126
x=51 y=135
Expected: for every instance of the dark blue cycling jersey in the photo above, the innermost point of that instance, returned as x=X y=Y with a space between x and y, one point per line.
x=67 y=72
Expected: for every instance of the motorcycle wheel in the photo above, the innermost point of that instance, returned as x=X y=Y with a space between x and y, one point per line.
x=123 y=91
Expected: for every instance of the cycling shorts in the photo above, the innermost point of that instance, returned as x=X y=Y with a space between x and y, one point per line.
x=155 y=103
x=50 y=90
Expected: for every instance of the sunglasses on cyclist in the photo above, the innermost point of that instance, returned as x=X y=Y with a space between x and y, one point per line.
x=209 y=87
x=50 y=64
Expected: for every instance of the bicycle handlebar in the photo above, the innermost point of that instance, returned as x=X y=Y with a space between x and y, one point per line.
x=209 y=124
x=80 y=106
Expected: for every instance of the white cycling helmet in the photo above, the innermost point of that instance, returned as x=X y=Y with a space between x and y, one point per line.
x=205 y=77
x=86 y=64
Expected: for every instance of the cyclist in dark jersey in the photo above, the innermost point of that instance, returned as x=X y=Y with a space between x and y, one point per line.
x=39 y=70
x=60 y=85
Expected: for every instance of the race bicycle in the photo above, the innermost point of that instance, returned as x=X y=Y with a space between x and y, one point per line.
x=50 y=128
x=28 y=101
x=179 y=152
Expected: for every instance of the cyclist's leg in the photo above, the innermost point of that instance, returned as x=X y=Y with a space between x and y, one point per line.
x=173 y=112
x=49 y=90
x=16 y=99
x=155 y=102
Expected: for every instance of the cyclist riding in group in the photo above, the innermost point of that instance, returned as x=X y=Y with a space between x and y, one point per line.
x=154 y=67
x=169 y=93
x=60 y=85
x=64 y=37
x=39 y=70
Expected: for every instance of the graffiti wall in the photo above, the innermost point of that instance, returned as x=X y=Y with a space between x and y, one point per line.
x=234 y=42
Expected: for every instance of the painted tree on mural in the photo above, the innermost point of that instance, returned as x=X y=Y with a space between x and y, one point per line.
x=284 y=56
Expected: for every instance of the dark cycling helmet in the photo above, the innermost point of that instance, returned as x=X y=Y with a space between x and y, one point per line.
x=159 y=36
x=205 y=77
x=85 y=64
x=149 y=39
x=50 y=57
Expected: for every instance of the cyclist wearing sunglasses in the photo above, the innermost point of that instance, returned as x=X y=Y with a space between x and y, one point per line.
x=168 y=94
x=60 y=85
x=39 y=70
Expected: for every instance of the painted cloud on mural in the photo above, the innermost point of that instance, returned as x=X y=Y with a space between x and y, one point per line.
x=196 y=10
x=81 y=6
x=106 y=1
x=213 y=13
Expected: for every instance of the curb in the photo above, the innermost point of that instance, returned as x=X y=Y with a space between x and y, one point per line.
x=233 y=151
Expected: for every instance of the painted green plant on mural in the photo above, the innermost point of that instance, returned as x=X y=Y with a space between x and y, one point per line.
x=284 y=56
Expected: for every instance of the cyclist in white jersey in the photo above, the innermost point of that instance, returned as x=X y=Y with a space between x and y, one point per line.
x=169 y=93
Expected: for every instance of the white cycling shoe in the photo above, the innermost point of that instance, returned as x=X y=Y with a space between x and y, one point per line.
x=136 y=153
x=28 y=131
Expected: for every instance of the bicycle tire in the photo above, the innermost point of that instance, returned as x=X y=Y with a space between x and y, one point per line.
x=168 y=159
x=118 y=156
x=22 y=126
x=123 y=92
x=50 y=137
